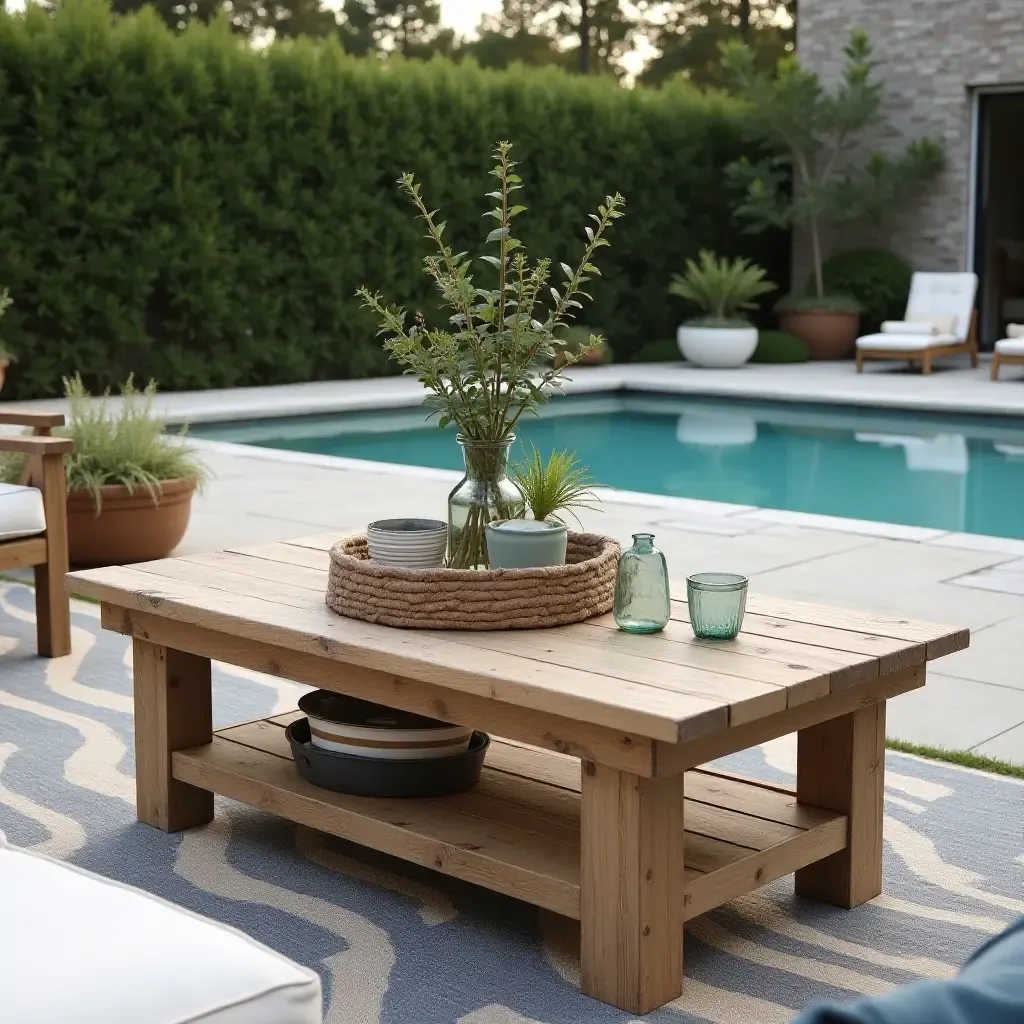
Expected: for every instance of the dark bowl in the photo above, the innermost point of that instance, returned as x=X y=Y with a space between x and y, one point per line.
x=339 y=707
x=370 y=776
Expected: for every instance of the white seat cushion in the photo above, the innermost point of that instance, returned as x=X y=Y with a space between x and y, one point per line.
x=77 y=947
x=1010 y=347
x=905 y=342
x=21 y=512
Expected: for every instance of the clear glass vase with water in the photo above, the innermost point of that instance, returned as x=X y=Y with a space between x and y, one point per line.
x=642 y=599
x=483 y=495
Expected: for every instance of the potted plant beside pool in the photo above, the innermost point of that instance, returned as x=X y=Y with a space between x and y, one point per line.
x=819 y=174
x=549 y=489
x=130 y=484
x=722 y=338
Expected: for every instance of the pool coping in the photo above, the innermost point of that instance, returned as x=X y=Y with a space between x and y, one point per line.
x=951 y=392
x=699 y=508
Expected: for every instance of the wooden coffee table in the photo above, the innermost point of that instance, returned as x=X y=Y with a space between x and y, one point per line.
x=615 y=844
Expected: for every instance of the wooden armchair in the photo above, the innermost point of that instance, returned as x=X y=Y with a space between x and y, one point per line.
x=33 y=523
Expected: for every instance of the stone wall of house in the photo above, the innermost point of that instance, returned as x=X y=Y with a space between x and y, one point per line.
x=931 y=53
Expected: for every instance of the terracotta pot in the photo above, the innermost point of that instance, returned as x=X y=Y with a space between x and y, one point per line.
x=130 y=527
x=596 y=357
x=827 y=334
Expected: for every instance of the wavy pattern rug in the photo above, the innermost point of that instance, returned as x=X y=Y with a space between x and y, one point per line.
x=399 y=945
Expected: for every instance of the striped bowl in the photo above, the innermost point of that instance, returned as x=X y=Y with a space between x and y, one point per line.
x=407 y=543
x=348 y=725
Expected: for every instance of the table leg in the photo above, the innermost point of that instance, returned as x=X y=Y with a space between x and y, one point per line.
x=631 y=894
x=841 y=767
x=172 y=711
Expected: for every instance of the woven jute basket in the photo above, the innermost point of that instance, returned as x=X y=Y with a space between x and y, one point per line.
x=475 y=598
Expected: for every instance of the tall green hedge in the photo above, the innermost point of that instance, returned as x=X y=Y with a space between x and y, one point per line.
x=184 y=208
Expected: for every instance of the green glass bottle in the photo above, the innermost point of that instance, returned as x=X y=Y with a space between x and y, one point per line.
x=642 y=602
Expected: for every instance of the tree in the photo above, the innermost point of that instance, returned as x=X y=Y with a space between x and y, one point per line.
x=823 y=179
x=496 y=50
x=692 y=35
x=517 y=17
x=175 y=14
x=287 y=19
x=602 y=31
x=246 y=17
x=409 y=27
x=521 y=32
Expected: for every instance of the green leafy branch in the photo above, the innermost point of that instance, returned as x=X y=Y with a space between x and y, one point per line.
x=492 y=362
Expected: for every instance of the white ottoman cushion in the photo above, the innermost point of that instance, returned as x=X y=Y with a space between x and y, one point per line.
x=75 y=947
x=1010 y=347
x=21 y=512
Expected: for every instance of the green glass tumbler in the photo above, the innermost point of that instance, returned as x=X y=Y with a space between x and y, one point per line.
x=717 y=601
x=642 y=600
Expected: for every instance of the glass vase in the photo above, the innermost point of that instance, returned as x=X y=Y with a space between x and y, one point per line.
x=642 y=602
x=483 y=495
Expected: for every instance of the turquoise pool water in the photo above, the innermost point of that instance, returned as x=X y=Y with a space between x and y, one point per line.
x=952 y=474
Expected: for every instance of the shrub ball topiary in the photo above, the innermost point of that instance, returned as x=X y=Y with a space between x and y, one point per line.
x=665 y=350
x=879 y=279
x=780 y=347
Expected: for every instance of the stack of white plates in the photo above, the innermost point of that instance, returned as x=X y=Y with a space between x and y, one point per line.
x=348 y=725
x=408 y=543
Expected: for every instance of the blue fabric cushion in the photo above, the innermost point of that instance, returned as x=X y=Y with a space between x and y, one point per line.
x=988 y=990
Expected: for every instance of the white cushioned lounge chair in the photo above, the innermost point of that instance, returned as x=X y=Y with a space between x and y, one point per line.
x=1010 y=350
x=940 y=321
x=34 y=528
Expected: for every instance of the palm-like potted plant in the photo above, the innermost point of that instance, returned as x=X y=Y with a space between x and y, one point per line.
x=551 y=490
x=723 y=289
x=493 y=359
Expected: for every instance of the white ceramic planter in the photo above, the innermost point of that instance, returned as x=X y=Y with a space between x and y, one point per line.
x=720 y=348
x=525 y=544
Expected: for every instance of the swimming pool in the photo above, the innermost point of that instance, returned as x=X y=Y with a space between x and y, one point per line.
x=962 y=474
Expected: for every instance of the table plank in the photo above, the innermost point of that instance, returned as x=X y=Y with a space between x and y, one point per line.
x=893 y=654
x=291 y=573
x=745 y=699
x=571 y=693
x=807 y=672
x=940 y=640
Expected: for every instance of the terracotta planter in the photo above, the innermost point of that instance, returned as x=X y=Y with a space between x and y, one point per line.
x=827 y=334
x=596 y=357
x=130 y=527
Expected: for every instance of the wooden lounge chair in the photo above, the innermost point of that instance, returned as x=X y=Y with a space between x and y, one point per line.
x=33 y=524
x=948 y=297
x=1009 y=351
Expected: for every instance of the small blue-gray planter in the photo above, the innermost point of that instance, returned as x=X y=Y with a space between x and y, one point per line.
x=525 y=544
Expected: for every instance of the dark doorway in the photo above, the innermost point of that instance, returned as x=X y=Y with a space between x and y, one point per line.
x=999 y=229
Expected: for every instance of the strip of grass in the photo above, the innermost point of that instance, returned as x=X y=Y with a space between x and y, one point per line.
x=961 y=757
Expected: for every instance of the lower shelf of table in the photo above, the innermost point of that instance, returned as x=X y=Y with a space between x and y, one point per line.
x=518 y=830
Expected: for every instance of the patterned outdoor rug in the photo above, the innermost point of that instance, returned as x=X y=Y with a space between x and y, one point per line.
x=402 y=945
